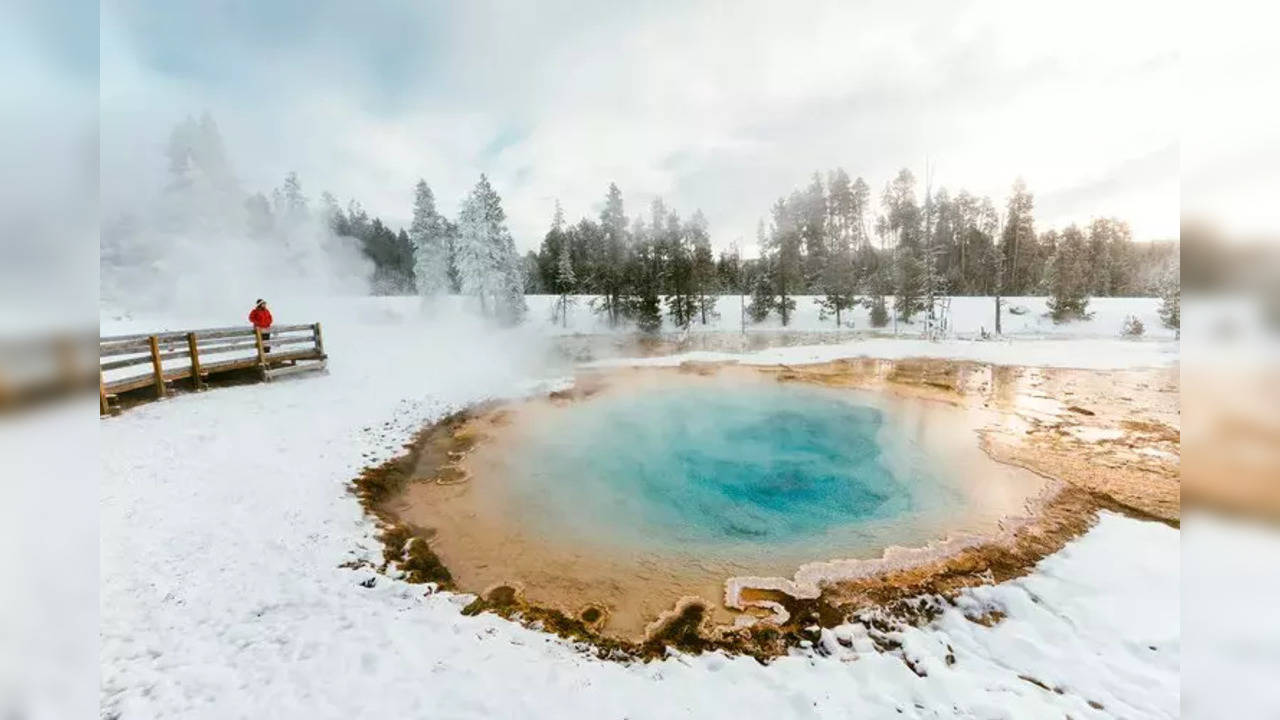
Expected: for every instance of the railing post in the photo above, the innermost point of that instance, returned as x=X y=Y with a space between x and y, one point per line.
x=194 y=351
x=319 y=339
x=102 y=395
x=262 y=358
x=155 y=366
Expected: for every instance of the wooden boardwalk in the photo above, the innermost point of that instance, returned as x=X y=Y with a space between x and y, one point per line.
x=144 y=366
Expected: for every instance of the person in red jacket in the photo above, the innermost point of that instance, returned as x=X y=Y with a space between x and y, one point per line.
x=260 y=316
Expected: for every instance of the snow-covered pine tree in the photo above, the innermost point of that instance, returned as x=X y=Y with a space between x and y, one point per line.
x=530 y=276
x=549 y=251
x=903 y=221
x=292 y=228
x=1065 y=277
x=909 y=282
x=452 y=234
x=839 y=206
x=782 y=249
x=811 y=215
x=612 y=257
x=430 y=241
x=1171 y=296
x=329 y=210
x=1108 y=257
x=729 y=271
x=933 y=252
x=291 y=203
x=488 y=266
x=763 y=301
x=838 y=278
x=645 y=278
x=511 y=306
x=565 y=282
x=1018 y=239
x=703 y=268
x=677 y=249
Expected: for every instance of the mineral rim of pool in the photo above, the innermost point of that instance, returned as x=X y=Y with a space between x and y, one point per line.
x=664 y=485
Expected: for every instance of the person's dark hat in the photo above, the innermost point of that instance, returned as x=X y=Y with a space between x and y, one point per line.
x=259 y=301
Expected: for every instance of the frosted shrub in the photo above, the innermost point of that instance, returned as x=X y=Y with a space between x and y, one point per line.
x=1133 y=327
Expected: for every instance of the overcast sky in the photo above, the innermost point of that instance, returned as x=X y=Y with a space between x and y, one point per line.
x=722 y=106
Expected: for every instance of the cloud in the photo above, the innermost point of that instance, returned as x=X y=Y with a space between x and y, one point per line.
x=717 y=105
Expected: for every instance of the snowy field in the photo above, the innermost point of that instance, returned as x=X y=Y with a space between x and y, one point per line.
x=969 y=316
x=225 y=519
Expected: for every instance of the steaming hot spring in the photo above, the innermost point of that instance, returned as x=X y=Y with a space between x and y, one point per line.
x=750 y=494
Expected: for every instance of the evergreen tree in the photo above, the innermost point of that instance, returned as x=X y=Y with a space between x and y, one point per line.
x=1171 y=296
x=703 y=270
x=565 y=281
x=857 y=219
x=647 y=278
x=811 y=216
x=452 y=239
x=880 y=275
x=682 y=305
x=586 y=247
x=784 y=256
x=763 y=301
x=730 y=273
x=909 y=283
x=549 y=252
x=428 y=233
x=945 y=240
x=357 y=225
x=392 y=256
x=488 y=267
x=1065 y=277
x=529 y=275
x=1018 y=241
x=838 y=279
x=840 y=209
x=879 y=312
x=904 y=219
x=612 y=255
x=934 y=254
x=1109 y=260
x=758 y=279
x=288 y=199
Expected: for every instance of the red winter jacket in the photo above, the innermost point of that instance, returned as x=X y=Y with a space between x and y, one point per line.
x=260 y=317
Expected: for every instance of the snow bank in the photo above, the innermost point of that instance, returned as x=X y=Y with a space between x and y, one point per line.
x=1231 y=568
x=225 y=518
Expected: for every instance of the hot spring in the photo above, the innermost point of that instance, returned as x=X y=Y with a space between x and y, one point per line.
x=737 y=471
x=662 y=485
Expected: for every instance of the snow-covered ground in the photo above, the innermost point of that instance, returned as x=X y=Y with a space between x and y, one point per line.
x=225 y=519
x=968 y=317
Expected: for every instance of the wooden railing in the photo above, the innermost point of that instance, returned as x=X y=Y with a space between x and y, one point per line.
x=129 y=363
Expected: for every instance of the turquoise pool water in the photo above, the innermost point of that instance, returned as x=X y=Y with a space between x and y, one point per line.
x=693 y=467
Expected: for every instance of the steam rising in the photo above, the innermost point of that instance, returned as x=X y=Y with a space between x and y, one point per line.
x=204 y=242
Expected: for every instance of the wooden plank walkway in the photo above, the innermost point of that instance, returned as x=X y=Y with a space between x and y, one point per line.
x=133 y=363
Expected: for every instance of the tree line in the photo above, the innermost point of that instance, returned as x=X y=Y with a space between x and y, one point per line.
x=473 y=255
x=833 y=240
